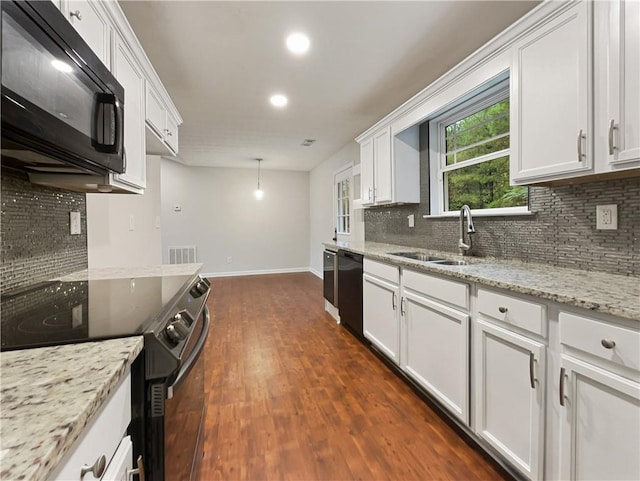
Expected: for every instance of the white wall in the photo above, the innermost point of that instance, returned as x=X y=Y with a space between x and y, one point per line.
x=222 y=218
x=110 y=242
x=321 y=211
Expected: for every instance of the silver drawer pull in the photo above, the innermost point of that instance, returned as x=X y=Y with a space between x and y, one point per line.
x=97 y=469
x=580 y=137
x=608 y=343
x=393 y=301
x=532 y=375
x=139 y=470
x=503 y=309
x=612 y=145
x=76 y=14
x=561 y=387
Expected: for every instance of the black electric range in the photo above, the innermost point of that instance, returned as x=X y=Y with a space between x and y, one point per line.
x=167 y=378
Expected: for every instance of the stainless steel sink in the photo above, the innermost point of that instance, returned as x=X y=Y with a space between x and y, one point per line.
x=452 y=263
x=419 y=256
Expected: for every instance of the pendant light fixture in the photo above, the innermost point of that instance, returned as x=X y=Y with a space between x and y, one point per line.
x=258 y=193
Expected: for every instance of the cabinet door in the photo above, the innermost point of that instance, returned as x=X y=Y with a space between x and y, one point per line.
x=121 y=462
x=366 y=172
x=155 y=113
x=509 y=404
x=172 y=133
x=383 y=172
x=437 y=351
x=551 y=92
x=129 y=74
x=623 y=140
x=91 y=23
x=600 y=433
x=380 y=316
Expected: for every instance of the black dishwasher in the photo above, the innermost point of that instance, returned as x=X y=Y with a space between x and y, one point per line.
x=330 y=267
x=350 y=291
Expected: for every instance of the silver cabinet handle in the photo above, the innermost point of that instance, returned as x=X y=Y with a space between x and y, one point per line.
x=502 y=309
x=608 y=343
x=76 y=14
x=561 y=388
x=139 y=470
x=402 y=306
x=580 y=137
x=97 y=469
x=393 y=301
x=532 y=376
x=369 y=193
x=612 y=127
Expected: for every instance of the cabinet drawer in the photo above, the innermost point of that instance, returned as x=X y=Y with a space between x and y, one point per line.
x=380 y=269
x=450 y=292
x=526 y=315
x=591 y=336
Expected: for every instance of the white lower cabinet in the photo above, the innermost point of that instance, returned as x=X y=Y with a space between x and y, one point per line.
x=509 y=397
x=436 y=354
x=122 y=462
x=100 y=438
x=599 y=399
x=380 y=315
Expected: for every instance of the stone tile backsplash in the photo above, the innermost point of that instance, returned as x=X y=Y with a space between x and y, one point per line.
x=561 y=232
x=36 y=244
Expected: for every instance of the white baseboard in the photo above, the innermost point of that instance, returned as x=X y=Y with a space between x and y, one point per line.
x=316 y=273
x=257 y=273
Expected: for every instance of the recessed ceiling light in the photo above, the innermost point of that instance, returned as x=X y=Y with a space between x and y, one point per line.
x=278 y=100
x=298 y=43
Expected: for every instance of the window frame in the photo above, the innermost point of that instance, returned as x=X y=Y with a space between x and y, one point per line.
x=486 y=97
x=339 y=177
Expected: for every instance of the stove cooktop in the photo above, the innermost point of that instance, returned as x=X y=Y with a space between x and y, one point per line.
x=66 y=312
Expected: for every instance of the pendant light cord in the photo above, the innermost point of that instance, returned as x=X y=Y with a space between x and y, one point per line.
x=259 y=161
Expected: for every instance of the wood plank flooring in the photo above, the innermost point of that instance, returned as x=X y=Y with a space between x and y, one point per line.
x=293 y=396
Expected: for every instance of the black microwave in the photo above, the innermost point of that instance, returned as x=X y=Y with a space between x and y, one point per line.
x=62 y=110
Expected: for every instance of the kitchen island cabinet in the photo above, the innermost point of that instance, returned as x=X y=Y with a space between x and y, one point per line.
x=37 y=438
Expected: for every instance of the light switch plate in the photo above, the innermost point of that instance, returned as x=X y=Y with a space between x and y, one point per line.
x=607 y=217
x=75 y=227
x=412 y=220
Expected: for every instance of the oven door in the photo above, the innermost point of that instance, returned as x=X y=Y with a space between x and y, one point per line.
x=62 y=110
x=176 y=436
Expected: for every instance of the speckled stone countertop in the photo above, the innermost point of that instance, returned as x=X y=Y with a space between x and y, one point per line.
x=47 y=397
x=600 y=292
x=143 y=271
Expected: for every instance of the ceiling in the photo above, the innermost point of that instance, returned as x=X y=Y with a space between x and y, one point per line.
x=221 y=61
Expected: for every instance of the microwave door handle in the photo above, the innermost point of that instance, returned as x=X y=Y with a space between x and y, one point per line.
x=119 y=130
x=195 y=354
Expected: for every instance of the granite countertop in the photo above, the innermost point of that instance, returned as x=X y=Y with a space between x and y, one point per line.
x=48 y=396
x=597 y=291
x=142 y=271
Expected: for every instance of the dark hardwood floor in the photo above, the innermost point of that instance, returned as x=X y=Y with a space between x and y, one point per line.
x=293 y=396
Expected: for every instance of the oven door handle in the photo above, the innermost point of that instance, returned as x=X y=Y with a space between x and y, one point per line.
x=194 y=355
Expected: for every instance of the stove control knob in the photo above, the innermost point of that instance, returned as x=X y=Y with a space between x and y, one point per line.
x=202 y=287
x=172 y=334
x=177 y=330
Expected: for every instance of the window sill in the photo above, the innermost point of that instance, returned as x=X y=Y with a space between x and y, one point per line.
x=448 y=215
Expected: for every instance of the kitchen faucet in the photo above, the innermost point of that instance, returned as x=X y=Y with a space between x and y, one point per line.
x=465 y=248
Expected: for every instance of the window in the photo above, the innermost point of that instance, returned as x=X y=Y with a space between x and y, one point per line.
x=343 y=202
x=469 y=156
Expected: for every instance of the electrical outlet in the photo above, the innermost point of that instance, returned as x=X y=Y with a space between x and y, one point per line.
x=607 y=217
x=132 y=222
x=229 y=259
x=75 y=227
x=412 y=220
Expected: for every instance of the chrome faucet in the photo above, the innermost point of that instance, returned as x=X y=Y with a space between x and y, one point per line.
x=465 y=248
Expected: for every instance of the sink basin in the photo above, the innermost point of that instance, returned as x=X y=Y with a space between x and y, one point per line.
x=418 y=256
x=451 y=263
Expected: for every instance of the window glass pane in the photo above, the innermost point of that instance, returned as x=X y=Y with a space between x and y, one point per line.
x=483 y=186
x=482 y=149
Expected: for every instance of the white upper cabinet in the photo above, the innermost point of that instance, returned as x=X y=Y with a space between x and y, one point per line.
x=91 y=23
x=390 y=167
x=129 y=73
x=617 y=69
x=162 y=127
x=551 y=92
